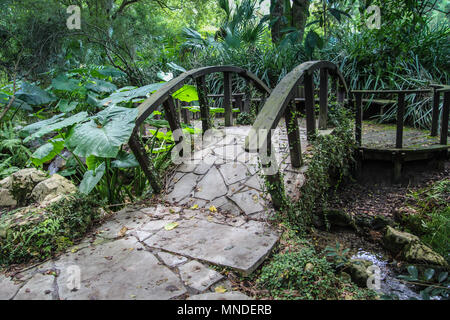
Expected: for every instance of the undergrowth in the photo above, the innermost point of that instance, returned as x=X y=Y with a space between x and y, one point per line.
x=298 y=272
x=430 y=216
x=37 y=234
x=331 y=161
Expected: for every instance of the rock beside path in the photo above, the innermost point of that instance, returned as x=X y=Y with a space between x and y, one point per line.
x=31 y=185
x=410 y=248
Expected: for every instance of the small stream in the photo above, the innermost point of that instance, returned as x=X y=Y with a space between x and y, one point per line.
x=389 y=284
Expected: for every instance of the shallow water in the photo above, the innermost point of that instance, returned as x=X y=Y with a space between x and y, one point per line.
x=389 y=284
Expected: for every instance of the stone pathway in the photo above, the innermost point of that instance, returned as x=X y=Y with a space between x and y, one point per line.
x=221 y=174
x=215 y=215
x=150 y=253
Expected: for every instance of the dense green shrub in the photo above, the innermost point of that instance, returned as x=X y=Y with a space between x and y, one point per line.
x=13 y=153
x=332 y=161
x=245 y=118
x=301 y=273
x=38 y=233
x=430 y=217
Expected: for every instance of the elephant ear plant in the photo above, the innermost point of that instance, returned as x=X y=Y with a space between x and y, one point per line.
x=99 y=140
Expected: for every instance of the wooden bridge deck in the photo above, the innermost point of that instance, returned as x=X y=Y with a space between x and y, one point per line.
x=382 y=136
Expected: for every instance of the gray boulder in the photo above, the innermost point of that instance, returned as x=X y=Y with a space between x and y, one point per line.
x=409 y=247
x=52 y=188
x=19 y=186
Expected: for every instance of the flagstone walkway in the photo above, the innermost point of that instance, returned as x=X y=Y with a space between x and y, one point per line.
x=215 y=216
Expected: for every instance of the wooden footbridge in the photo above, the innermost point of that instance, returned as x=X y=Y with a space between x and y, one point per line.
x=311 y=83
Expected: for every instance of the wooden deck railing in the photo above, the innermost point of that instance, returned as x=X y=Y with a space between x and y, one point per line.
x=436 y=90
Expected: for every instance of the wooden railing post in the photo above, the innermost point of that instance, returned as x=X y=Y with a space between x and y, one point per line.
x=435 y=113
x=275 y=185
x=323 y=102
x=146 y=164
x=358 y=119
x=171 y=114
x=227 y=103
x=185 y=113
x=203 y=99
x=309 y=106
x=444 y=121
x=239 y=105
x=293 y=132
x=400 y=120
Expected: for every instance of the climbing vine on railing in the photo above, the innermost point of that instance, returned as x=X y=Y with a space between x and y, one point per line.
x=331 y=162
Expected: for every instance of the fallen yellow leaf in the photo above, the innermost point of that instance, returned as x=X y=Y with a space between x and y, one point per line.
x=213 y=209
x=195 y=206
x=171 y=226
x=220 y=289
x=123 y=231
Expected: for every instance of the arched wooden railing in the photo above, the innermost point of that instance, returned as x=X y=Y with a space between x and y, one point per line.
x=281 y=102
x=164 y=97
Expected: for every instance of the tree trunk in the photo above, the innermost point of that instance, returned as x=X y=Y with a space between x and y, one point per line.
x=276 y=17
x=282 y=16
x=300 y=13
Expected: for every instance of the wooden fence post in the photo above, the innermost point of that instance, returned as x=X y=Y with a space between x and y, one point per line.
x=400 y=120
x=227 y=96
x=309 y=106
x=323 y=102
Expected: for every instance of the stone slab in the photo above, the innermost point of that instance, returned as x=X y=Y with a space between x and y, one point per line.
x=183 y=187
x=218 y=244
x=220 y=296
x=171 y=260
x=7 y=288
x=197 y=276
x=39 y=287
x=117 y=270
x=233 y=172
x=249 y=201
x=211 y=186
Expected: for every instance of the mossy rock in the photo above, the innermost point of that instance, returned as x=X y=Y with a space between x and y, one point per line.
x=339 y=218
x=416 y=252
x=22 y=182
x=395 y=240
x=357 y=269
x=409 y=247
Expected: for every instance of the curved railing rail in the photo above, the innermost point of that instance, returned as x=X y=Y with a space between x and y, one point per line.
x=163 y=97
x=281 y=102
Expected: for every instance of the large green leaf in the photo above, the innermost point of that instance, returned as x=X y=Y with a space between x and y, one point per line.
x=187 y=93
x=101 y=86
x=4 y=98
x=33 y=95
x=91 y=178
x=47 y=152
x=103 y=135
x=129 y=93
x=20 y=104
x=125 y=160
x=111 y=72
x=165 y=76
x=32 y=128
x=47 y=128
x=63 y=83
x=66 y=105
